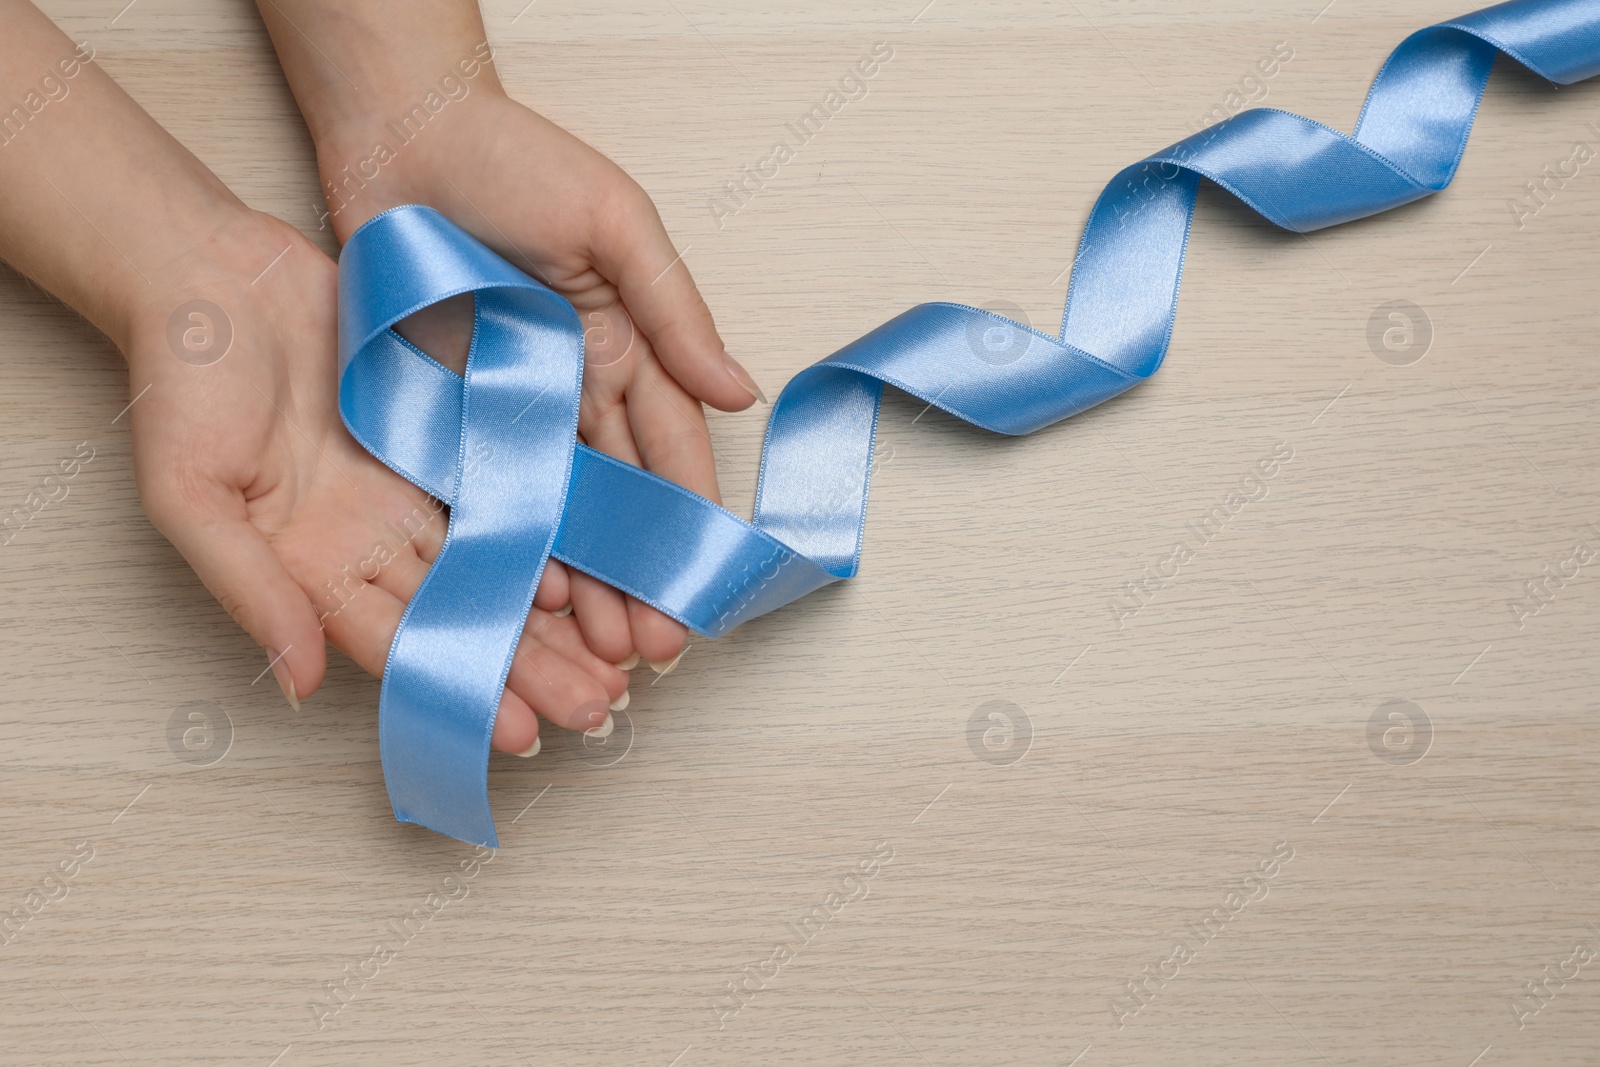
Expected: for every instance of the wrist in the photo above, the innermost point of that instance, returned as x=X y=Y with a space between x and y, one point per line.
x=101 y=206
x=216 y=260
x=391 y=150
x=404 y=85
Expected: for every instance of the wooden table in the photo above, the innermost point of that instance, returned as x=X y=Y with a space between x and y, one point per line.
x=1349 y=672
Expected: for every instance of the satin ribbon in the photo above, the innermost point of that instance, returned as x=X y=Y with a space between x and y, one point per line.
x=498 y=445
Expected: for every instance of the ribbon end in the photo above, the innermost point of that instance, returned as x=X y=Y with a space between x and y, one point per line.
x=491 y=839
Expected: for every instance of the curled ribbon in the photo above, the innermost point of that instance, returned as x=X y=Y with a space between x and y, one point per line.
x=498 y=445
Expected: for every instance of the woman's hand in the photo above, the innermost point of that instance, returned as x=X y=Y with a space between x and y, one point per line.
x=227 y=319
x=431 y=125
x=243 y=463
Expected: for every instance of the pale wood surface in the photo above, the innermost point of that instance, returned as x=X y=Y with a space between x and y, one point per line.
x=1229 y=715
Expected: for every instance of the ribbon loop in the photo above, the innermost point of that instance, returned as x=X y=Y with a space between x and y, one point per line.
x=502 y=465
x=498 y=445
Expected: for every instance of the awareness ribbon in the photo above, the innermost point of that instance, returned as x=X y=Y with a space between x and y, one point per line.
x=499 y=444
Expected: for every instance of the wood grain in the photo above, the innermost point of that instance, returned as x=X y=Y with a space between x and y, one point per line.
x=1168 y=755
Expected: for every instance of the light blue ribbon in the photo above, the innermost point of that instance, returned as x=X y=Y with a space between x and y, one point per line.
x=499 y=445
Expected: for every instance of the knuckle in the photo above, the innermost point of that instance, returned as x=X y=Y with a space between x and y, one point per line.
x=236 y=607
x=173 y=496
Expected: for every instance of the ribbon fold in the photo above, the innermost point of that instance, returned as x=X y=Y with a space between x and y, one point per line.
x=498 y=445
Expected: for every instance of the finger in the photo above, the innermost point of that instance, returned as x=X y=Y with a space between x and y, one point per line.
x=564 y=635
x=659 y=638
x=363 y=629
x=607 y=429
x=248 y=579
x=363 y=626
x=557 y=688
x=554 y=593
x=516 y=727
x=429 y=536
x=631 y=248
x=602 y=616
x=402 y=576
x=669 y=428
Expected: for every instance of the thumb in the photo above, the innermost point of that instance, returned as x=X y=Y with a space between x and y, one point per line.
x=633 y=250
x=251 y=583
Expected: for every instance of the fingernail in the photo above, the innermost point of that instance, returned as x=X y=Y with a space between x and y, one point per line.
x=742 y=376
x=605 y=727
x=670 y=665
x=531 y=751
x=280 y=671
x=563 y=613
x=620 y=703
x=630 y=663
